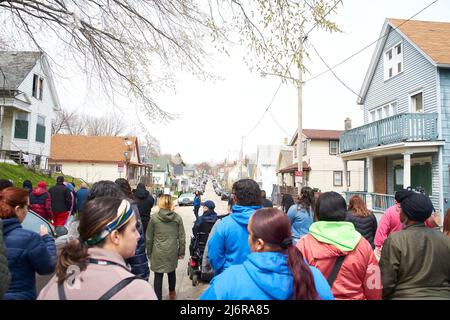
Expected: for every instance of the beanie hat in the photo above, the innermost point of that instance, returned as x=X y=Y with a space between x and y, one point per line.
x=42 y=184
x=416 y=206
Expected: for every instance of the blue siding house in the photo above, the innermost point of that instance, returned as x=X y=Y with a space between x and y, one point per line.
x=405 y=139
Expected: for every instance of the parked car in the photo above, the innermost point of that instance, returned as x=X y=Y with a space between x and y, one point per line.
x=186 y=199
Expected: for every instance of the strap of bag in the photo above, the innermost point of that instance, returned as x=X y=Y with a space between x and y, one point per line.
x=335 y=271
x=119 y=286
x=108 y=295
x=61 y=293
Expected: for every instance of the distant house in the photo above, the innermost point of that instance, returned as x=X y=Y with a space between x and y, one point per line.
x=94 y=158
x=406 y=97
x=161 y=172
x=322 y=167
x=266 y=161
x=28 y=101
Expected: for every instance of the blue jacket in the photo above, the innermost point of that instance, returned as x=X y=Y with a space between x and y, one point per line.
x=28 y=253
x=301 y=220
x=263 y=276
x=228 y=244
x=196 y=201
x=82 y=195
x=139 y=262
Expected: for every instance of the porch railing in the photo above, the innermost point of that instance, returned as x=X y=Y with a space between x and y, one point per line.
x=375 y=201
x=395 y=129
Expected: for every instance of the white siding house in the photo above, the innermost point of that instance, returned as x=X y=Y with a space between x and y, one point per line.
x=28 y=104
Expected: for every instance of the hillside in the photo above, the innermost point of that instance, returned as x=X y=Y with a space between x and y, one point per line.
x=18 y=174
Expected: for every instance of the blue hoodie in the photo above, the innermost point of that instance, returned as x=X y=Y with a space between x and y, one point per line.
x=263 y=276
x=228 y=245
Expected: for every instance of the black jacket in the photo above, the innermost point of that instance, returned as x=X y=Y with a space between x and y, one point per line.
x=5 y=276
x=266 y=203
x=61 y=198
x=367 y=226
x=145 y=204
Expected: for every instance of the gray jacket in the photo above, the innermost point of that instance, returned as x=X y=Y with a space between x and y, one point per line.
x=5 y=276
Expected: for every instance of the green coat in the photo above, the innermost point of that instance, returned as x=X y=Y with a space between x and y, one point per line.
x=5 y=276
x=165 y=240
x=415 y=264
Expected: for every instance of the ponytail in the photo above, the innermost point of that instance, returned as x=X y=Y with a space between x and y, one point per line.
x=304 y=287
x=74 y=253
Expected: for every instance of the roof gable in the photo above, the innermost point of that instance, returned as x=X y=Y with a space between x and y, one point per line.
x=16 y=65
x=318 y=134
x=431 y=39
x=90 y=148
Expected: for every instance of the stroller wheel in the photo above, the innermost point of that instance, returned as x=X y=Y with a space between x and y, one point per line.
x=195 y=279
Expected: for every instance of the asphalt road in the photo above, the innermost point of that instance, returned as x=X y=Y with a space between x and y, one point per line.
x=184 y=288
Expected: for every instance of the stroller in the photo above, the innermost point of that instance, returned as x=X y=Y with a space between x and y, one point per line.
x=196 y=250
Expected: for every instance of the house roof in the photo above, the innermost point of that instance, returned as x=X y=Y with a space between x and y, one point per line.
x=430 y=38
x=159 y=164
x=433 y=38
x=318 y=134
x=16 y=65
x=89 y=148
x=293 y=167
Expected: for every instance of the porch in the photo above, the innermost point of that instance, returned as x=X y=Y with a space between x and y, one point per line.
x=403 y=127
x=376 y=201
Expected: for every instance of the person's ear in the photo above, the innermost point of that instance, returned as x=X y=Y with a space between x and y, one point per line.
x=259 y=245
x=115 y=237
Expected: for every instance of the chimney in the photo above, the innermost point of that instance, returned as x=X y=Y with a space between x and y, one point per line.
x=348 y=124
x=285 y=141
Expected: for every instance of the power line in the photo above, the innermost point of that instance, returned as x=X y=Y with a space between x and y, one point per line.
x=369 y=45
x=287 y=69
x=334 y=74
x=278 y=124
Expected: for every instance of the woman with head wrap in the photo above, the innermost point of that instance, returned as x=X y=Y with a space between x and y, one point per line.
x=415 y=262
x=93 y=267
x=390 y=223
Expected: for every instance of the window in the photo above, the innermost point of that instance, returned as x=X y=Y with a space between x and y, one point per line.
x=393 y=61
x=382 y=112
x=41 y=88
x=348 y=178
x=305 y=144
x=38 y=87
x=337 y=178
x=35 y=85
x=417 y=102
x=334 y=145
x=21 y=126
x=40 y=129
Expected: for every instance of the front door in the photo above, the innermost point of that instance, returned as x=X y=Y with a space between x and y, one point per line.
x=421 y=177
x=380 y=175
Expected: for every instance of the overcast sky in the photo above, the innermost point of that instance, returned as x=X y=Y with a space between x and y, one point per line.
x=214 y=115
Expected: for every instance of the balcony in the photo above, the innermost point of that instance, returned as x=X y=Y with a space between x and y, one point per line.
x=403 y=127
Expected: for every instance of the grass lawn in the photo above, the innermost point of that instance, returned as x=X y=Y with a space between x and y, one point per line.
x=18 y=174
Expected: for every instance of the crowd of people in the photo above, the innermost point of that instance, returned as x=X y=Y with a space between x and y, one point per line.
x=316 y=247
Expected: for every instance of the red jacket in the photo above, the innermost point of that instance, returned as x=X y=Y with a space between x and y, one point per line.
x=359 y=277
x=41 y=203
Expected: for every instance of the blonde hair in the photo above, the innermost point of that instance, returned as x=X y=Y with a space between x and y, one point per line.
x=165 y=202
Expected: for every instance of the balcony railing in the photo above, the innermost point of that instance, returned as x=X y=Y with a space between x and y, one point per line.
x=399 y=128
x=377 y=202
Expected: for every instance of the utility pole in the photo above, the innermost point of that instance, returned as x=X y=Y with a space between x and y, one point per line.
x=299 y=119
x=241 y=157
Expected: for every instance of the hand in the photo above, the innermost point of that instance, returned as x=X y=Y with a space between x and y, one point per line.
x=43 y=231
x=180 y=257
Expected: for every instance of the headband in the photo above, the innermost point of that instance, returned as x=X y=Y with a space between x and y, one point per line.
x=123 y=215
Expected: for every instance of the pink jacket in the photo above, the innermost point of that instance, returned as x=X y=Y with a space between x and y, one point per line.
x=97 y=279
x=390 y=223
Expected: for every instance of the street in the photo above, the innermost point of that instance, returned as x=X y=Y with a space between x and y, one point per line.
x=184 y=288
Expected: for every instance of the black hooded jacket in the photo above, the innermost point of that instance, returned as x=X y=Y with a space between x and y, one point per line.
x=145 y=204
